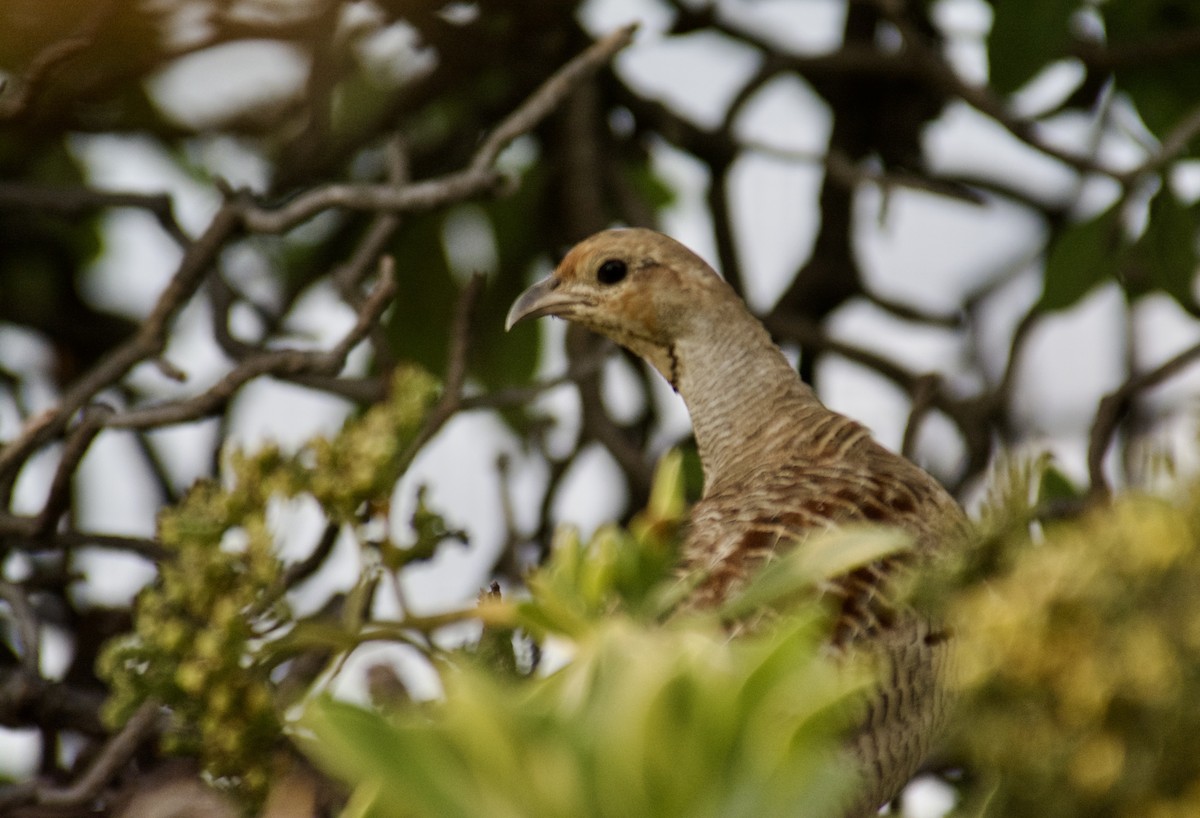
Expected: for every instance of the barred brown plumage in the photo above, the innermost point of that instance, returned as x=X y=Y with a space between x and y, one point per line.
x=777 y=463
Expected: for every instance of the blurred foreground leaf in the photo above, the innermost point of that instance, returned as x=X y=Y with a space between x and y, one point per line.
x=653 y=722
x=646 y=717
x=1079 y=665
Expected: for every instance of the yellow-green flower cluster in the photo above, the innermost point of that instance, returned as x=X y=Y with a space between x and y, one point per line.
x=192 y=647
x=1080 y=666
x=202 y=632
x=365 y=459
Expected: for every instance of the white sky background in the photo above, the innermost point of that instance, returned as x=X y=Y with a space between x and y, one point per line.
x=917 y=248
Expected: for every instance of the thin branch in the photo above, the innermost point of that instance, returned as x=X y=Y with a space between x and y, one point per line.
x=1116 y=404
x=77 y=201
x=114 y=755
x=297 y=572
x=924 y=390
x=59 y=497
x=451 y=400
x=64 y=540
x=1173 y=145
x=26 y=622
x=583 y=367
x=1166 y=46
x=147 y=343
x=479 y=178
x=850 y=174
x=810 y=334
x=268 y=362
x=929 y=64
x=17 y=101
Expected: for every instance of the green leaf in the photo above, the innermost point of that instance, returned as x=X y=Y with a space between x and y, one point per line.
x=1027 y=35
x=1165 y=86
x=652 y=189
x=1055 y=485
x=1082 y=256
x=666 y=494
x=643 y=723
x=1165 y=256
x=816 y=558
x=419 y=324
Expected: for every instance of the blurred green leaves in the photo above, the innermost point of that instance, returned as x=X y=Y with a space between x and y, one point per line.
x=419 y=324
x=1079 y=659
x=1136 y=46
x=1026 y=36
x=627 y=570
x=642 y=722
x=1164 y=258
x=647 y=717
x=1083 y=256
x=1166 y=85
x=1136 y=42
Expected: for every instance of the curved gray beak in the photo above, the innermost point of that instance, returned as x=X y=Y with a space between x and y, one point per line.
x=542 y=298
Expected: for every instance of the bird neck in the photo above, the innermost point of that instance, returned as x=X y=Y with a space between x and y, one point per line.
x=746 y=401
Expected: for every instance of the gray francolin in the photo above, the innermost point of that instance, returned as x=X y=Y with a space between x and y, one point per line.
x=777 y=464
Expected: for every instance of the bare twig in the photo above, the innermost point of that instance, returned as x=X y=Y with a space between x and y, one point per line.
x=22 y=527
x=851 y=174
x=478 y=178
x=80 y=440
x=299 y=571
x=147 y=343
x=583 y=367
x=116 y=752
x=1173 y=145
x=1114 y=406
x=80 y=200
x=26 y=625
x=17 y=100
x=924 y=389
x=928 y=63
x=807 y=333
x=451 y=399
x=268 y=362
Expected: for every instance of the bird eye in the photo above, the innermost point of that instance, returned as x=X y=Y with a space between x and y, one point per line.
x=611 y=271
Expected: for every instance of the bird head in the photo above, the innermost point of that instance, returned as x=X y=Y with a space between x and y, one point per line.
x=637 y=287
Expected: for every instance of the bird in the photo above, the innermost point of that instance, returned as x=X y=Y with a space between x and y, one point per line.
x=777 y=465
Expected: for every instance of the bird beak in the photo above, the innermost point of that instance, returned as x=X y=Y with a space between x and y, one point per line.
x=542 y=298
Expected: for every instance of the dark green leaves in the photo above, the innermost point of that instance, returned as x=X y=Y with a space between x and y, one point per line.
x=1163 y=259
x=1143 y=38
x=1082 y=256
x=643 y=723
x=419 y=326
x=1027 y=35
x=1145 y=47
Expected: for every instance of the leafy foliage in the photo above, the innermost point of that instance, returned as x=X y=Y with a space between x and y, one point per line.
x=1026 y=37
x=203 y=635
x=1080 y=663
x=1165 y=89
x=1164 y=258
x=642 y=722
x=1083 y=256
x=645 y=719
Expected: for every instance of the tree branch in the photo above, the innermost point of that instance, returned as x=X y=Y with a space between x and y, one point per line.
x=479 y=178
x=1116 y=404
